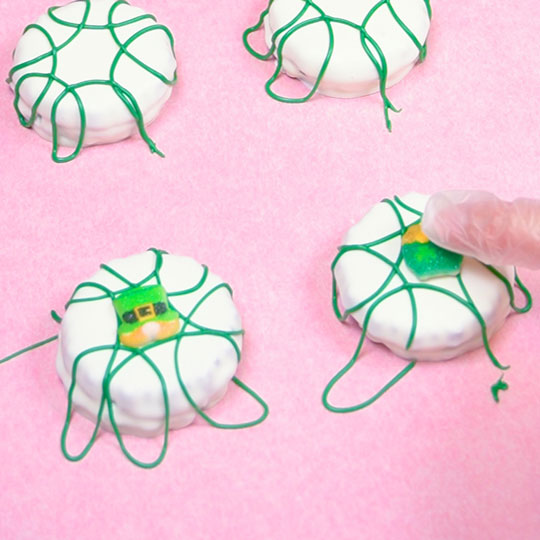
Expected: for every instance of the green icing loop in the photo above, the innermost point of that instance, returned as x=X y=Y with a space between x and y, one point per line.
x=379 y=296
x=369 y=44
x=189 y=328
x=72 y=89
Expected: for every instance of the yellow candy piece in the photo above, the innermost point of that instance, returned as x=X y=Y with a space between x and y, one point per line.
x=414 y=234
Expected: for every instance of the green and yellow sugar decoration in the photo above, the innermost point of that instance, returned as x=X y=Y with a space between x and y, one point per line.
x=425 y=259
x=145 y=316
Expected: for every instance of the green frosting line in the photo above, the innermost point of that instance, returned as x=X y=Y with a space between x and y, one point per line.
x=27 y=349
x=72 y=89
x=369 y=44
x=380 y=295
x=189 y=328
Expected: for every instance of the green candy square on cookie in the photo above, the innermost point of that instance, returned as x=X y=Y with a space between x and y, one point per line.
x=425 y=259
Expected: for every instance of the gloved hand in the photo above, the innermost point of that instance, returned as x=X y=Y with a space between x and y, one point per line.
x=478 y=224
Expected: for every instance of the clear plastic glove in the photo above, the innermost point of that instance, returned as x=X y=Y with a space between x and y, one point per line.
x=478 y=224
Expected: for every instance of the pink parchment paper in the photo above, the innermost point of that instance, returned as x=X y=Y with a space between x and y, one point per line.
x=262 y=192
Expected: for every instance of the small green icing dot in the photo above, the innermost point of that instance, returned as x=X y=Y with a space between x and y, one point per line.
x=499 y=386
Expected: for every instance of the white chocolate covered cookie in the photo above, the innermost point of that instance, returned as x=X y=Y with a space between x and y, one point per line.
x=146 y=344
x=344 y=48
x=204 y=347
x=420 y=300
x=431 y=319
x=92 y=72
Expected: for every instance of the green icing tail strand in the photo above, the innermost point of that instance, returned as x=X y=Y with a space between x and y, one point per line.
x=189 y=329
x=382 y=293
x=369 y=45
x=72 y=89
x=28 y=349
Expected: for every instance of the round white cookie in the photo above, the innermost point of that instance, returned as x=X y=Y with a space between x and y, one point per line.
x=64 y=69
x=350 y=72
x=445 y=327
x=206 y=360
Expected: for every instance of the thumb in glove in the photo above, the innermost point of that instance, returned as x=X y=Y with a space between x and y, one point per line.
x=480 y=225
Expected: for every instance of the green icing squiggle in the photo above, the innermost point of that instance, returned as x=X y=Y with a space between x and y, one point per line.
x=381 y=294
x=369 y=45
x=72 y=89
x=188 y=330
x=499 y=386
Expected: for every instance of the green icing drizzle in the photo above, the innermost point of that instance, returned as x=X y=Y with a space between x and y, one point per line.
x=369 y=44
x=28 y=349
x=189 y=328
x=380 y=295
x=72 y=89
x=499 y=386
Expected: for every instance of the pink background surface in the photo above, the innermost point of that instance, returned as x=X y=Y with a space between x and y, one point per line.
x=262 y=192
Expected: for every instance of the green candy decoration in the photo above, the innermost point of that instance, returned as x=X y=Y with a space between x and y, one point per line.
x=140 y=306
x=425 y=259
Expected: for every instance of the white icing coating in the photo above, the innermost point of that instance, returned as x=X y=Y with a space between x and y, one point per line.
x=445 y=328
x=350 y=72
x=90 y=56
x=206 y=363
